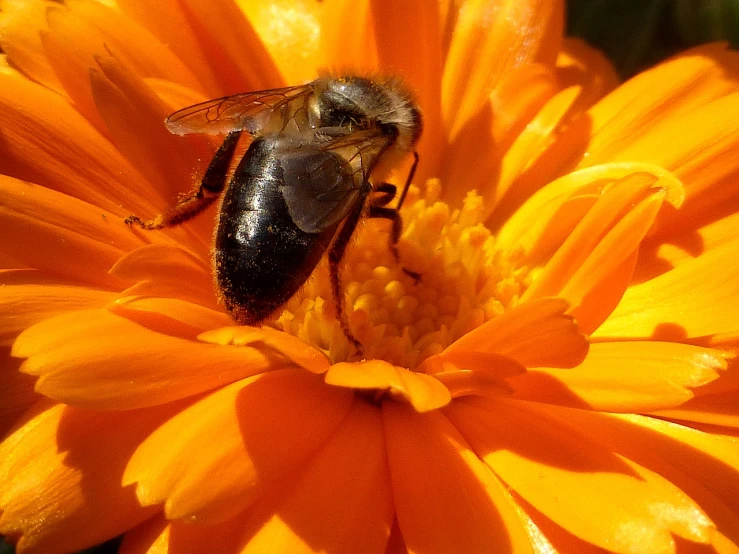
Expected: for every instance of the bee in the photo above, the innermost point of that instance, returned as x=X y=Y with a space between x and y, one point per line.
x=301 y=187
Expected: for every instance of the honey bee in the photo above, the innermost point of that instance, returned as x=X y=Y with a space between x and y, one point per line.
x=302 y=186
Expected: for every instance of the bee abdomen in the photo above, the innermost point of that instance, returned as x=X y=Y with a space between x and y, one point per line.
x=261 y=257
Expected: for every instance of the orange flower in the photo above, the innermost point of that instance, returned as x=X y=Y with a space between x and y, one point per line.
x=561 y=379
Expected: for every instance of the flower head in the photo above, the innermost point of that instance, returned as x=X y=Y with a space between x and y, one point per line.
x=561 y=378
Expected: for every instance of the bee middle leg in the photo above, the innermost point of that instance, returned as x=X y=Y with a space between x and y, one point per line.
x=211 y=186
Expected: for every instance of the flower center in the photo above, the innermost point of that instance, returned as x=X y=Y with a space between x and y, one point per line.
x=465 y=281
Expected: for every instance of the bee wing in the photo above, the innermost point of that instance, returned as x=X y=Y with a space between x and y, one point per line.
x=249 y=111
x=323 y=179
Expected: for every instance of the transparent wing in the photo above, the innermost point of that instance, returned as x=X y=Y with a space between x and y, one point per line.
x=249 y=111
x=323 y=179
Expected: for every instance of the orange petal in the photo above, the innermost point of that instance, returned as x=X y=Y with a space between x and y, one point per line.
x=225 y=34
x=74 y=458
x=167 y=20
x=134 y=117
x=20 y=23
x=490 y=40
x=423 y=392
x=35 y=122
x=60 y=235
x=698 y=298
x=518 y=98
x=291 y=31
x=159 y=536
x=409 y=45
x=27 y=297
x=720 y=409
x=16 y=392
x=90 y=358
x=341 y=501
x=238 y=443
x=530 y=143
x=535 y=334
x=446 y=499
x=146 y=54
x=704 y=465
x=189 y=314
x=162 y=263
x=348 y=36
x=291 y=347
x=611 y=502
x=625 y=377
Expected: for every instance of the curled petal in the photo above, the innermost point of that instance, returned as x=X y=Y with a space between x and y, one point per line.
x=538 y=333
x=423 y=392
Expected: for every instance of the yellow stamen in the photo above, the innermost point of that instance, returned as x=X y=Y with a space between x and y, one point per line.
x=465 y=281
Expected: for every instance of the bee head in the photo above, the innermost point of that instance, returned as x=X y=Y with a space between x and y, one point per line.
x=362 y=103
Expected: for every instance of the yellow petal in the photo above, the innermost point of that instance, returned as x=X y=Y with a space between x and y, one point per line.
x=545 y=220
x=423 y=392
x=698 y=298
x=625 y=377
x=446 y=499
x=662 y=95
x=704 y=465
x=237 y=442
x=341 y=502
x=73 y=457
x=535 y=334
x=579 y=64
x=85 y=358
x=610 y=501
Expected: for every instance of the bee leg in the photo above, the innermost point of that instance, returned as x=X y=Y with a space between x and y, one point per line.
x=395 y=231
x=335 y=256
x=213 y=183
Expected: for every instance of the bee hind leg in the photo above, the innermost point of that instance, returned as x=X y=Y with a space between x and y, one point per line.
x=335 y=256
x=190 y=205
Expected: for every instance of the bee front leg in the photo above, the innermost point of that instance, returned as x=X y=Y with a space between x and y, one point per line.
x=213 y=183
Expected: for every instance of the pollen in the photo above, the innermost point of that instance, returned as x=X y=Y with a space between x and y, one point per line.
x=465 y=281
